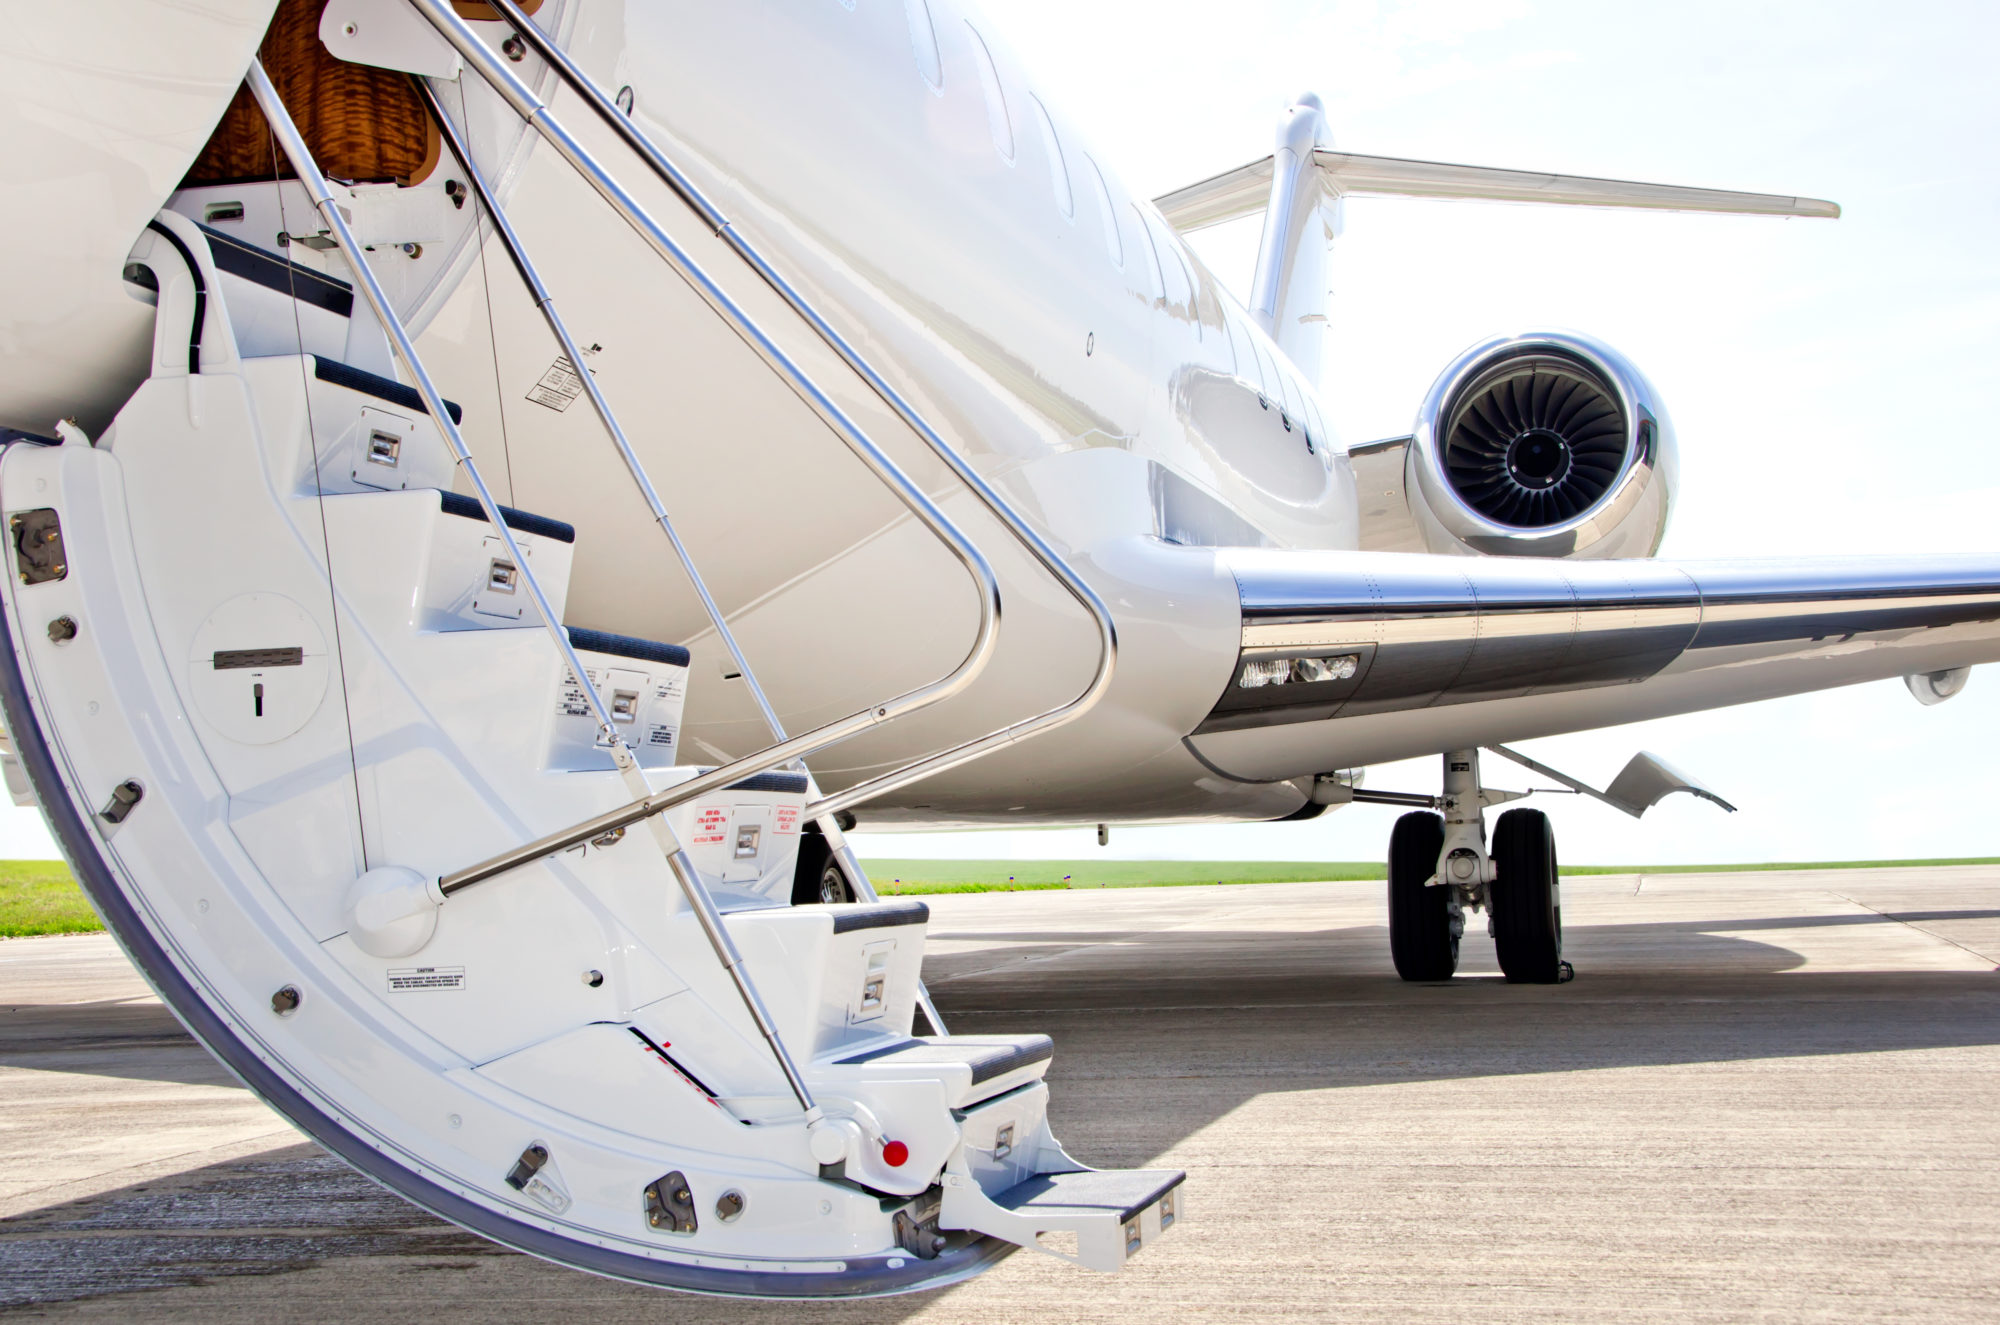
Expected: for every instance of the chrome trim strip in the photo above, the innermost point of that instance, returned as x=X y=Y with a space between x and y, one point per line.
x=1456 y=630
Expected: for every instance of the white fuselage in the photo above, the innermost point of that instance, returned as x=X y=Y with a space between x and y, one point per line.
x=1047 y=322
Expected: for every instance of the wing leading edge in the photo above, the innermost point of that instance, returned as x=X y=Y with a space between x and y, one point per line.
x=1385 y=650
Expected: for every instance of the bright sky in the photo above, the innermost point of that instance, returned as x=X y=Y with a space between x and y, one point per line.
x=1828 y=380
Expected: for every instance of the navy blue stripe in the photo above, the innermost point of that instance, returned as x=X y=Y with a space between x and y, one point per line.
x=200 y=322
x=629 y=646
x=882 y=1051
x=457 y=503
x=881 y=915
x=864 y=1275
x=272 y=272
x=382 y=388
x=794 y=783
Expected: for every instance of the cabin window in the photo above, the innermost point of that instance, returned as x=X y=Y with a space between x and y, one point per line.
x=1058 y=171
x=1237 y=357
x=1317 y=435
x=1180 y=287
x=1270 y=376
x=1159 y=277
x=1113 y=243
x=923 y=43
x=1194 y=290
x=997 y=118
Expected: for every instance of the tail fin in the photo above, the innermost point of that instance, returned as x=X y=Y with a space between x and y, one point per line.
x=1300 y=185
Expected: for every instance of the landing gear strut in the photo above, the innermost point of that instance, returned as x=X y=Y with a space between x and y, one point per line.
x=1439 y=865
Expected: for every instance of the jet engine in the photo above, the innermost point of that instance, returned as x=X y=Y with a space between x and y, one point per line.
x=1546 y=444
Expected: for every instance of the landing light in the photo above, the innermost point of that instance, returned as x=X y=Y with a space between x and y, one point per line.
x=1283 y=671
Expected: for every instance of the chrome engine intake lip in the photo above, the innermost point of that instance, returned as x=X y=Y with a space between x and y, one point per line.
x=1555 y=477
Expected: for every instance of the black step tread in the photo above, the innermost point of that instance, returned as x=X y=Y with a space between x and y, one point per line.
x=879 y=915
x=1124 y=1192
x=336 y=373
x=631 y=646
x=988 y=1056
x=457 y=503
x=262 y=267
x=791 y=783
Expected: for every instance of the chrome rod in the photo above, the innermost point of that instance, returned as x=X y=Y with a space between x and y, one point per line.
x=510 y=239
x=517 y=251
x=696 y=892
x=622 y=125
x=497 y=72
x=502 y=78
x=293 y=144
x=732 y=960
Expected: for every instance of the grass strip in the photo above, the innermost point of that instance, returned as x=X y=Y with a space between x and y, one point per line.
x=968 y=876
x=40 y=897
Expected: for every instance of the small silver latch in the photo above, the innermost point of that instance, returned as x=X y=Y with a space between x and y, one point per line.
x=625 y=708
x=747 y=838
x=384 y=448
x=501 y=576
x=1003 y=1142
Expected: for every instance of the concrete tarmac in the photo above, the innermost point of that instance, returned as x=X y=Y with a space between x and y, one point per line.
x=1769 y=1097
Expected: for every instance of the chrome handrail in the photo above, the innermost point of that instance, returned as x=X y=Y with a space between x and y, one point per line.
x=517 y=250
x=293 y=144
x=538 y=115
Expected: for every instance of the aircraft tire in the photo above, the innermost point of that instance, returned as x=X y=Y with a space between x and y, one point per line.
x=1423 y=931
x=1526 y=899
x=817 y=877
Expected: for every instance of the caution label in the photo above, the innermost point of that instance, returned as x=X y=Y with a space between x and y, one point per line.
x=559 y=387
x=710 y=826
x=409 y=979
x=787 y=820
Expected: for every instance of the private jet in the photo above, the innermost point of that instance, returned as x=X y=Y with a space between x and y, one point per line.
x=496 y=491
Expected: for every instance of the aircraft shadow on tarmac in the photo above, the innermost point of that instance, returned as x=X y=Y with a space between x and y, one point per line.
x=1244 y=1013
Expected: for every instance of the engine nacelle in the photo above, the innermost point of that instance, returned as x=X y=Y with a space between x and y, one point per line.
x=1546 y=444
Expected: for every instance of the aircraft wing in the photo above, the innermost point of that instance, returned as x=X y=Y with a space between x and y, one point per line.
x=1247 y=189
x=1392 y=652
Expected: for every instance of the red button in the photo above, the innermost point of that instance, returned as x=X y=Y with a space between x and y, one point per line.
x=895 y=1154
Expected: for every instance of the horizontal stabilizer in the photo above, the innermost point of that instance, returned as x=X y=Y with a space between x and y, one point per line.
x=1247 y=189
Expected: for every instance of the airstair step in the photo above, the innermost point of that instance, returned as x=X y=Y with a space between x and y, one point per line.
x=457 y=503
x=1111 y=1213
x=972 y=1067
x=791 y=783
x=880 y=915
x=603 y=641
x=374 y=384
x=1122 y=1193
x=260 y=267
